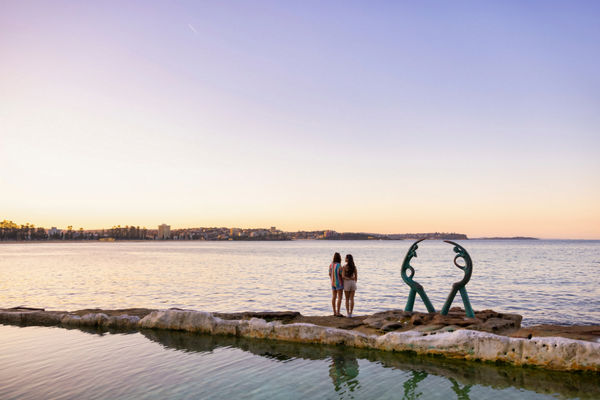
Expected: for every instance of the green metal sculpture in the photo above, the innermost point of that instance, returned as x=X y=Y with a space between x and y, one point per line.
x=459 y=286
x=415 y=287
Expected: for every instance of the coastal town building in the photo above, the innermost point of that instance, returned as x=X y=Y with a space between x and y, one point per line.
x=52 y=232
x=164 y=232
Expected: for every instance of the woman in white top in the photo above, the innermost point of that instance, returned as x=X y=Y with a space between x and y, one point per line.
x=350 y=276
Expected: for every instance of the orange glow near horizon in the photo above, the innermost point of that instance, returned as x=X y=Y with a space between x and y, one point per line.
x=392 y=121
x=576 y=224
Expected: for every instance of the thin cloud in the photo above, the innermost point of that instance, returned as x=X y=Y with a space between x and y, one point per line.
x=194 y=29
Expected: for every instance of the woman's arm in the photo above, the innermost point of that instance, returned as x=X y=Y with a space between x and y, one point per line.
x=355 y=274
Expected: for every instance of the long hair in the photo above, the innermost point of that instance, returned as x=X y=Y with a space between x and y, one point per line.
x=350 y=263
x=337 y=258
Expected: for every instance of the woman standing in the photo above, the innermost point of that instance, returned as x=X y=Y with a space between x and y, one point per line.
x=350 y=276
x=337 y=284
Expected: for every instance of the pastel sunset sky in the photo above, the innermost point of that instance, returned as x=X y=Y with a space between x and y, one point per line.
x=477 y=117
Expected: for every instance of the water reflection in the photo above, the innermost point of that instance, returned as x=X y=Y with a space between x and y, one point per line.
x=168 y=364
x=344 y=369
x=344 y=372
x=411 y=385
x=461 y=394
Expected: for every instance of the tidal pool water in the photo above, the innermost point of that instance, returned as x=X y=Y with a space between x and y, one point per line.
x=554 y=282
x=57 y=363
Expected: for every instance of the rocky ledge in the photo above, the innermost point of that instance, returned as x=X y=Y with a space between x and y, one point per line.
x=488 y=321
x=453 y=336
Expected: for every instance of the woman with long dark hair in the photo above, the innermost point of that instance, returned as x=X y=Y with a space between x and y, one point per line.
x=337 y=284
x=350 y=276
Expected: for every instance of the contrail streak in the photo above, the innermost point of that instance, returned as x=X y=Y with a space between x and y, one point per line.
x=193 y=29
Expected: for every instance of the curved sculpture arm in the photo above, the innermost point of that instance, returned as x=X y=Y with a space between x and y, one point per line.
x=467 y=268
x=415 y=287
x=412 y=252
x=460 y=285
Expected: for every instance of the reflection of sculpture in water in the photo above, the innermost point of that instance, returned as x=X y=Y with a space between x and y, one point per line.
x=344 y=370
x=461 y=394
x=343 y=366
x=411 y=384
x=410 y=387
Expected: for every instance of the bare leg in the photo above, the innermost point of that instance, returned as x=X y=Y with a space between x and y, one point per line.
x=333 y=298
x=351 y=301
x=347 y=296
x=340 y=294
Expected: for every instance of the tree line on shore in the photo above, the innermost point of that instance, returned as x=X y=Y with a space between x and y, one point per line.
x=10 y=231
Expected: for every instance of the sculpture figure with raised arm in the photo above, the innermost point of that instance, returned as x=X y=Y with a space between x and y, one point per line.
x=415 y=287
x=460 y=285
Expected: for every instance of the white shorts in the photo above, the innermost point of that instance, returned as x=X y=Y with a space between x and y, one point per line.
x=349 y=286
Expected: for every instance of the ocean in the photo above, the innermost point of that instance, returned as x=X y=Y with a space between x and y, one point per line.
x=546 y=281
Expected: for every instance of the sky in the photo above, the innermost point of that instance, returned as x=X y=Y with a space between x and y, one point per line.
x=480 y=118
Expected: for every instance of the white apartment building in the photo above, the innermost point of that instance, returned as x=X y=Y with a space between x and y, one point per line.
x=54 y=231
x=164 y=231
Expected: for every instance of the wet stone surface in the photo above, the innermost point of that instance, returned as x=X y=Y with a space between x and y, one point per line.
x=485 y=321
x=377 y=324
x=485 y=337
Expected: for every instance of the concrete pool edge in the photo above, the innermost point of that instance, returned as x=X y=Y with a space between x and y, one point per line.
x=555 y=353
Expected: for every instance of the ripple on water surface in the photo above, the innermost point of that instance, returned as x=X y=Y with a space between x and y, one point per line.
x=546 y=281
x=55 y=363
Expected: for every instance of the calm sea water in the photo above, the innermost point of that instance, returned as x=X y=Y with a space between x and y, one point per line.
x=554 y=282
x=54 y=363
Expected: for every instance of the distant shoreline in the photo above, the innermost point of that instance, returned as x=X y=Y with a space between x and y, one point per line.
x=246 y=241
x=508 y=238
